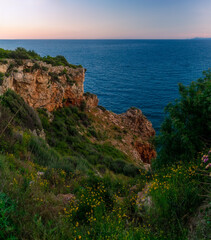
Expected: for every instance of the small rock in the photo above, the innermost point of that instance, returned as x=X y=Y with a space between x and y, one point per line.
x=133 y=188
x=66 y=198
x=40 y=173
x=143 y=199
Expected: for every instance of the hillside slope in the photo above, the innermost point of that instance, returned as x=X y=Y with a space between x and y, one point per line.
x=52 y=83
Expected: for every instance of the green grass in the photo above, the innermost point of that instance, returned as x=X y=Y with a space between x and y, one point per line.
x=7 y=209
x=35 y=173
x=68 y=135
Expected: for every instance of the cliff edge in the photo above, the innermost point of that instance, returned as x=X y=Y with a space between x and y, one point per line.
x=43 y=85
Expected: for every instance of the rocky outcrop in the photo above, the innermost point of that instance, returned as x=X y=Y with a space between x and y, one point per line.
x=146 y=151
x=135 y=120
x=42 y=85
x=130 y=132
x=45 y=86
x=91 y=100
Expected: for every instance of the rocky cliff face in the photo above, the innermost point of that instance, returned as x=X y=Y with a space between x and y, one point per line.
x=42 y=85
x=45 y=86
x=130 y=132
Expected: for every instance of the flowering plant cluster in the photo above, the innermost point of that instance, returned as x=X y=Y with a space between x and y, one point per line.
x=206 y=159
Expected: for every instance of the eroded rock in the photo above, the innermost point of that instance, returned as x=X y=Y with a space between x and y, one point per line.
x=51 y=88
x=66 y=198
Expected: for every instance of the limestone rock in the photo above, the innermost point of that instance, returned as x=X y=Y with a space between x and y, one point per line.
x=42 y=85
x=132 y=127
x=146 y=151
x=46 y=86
x=137 y=122
x=143 y=199
x=66 y=198
x=91 y=100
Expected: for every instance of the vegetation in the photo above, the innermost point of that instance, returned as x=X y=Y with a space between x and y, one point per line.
x=186 y=130
x=70 y=185
x=23 y=114
x=21 y=53
x=68 y=135
x=1 y=78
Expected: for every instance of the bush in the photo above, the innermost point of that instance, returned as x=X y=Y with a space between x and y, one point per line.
x=176 y=194
x=54 y=76
x=26 y=70
x=7 y=208
x=21 y=53
x=24 y=115
x=130 y=170
x=118 y=166
x=186 y=129
x=44 y=68
x=44 y=155
x=58 y=61
x=36 y=66
x=1 y=78
x=3 y=61
x=10 y=68
x=102 y=108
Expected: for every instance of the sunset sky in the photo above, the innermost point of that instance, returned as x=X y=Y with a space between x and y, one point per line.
x=104 y=19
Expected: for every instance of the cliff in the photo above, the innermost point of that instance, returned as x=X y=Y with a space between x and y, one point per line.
x=43 y=85
x=74 y=172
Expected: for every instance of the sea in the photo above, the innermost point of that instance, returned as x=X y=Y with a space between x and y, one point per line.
x=125 y=73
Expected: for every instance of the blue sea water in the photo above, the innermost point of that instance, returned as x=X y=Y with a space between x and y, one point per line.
x=125 y=73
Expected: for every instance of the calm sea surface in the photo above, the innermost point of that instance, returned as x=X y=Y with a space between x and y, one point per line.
x=125 y=73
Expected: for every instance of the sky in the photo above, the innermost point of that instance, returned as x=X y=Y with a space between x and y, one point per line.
x=105 y=19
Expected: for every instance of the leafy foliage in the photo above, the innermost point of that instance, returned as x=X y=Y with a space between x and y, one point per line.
x=24 y=114
x=186 y=129
x=7 y=208
x=1 y=78
x=109 y=197
x=67 y=134
x=21 y=53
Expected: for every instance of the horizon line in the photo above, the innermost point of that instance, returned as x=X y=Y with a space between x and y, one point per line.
x=105 y=38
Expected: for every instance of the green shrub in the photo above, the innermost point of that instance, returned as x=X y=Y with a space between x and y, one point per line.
x=6 y=138
x=44 y=68
x=117 y=166
x=27 y=70
x=186 y=129
x=102 y=108
x=76 y=163
x=54 y=76
x=63 y=72
x=35 y=67
x=24 y=114
x=83 y=106
x=1 y=78
x=18 y=62
x=65 y=135
x=7 y=208
x=130 y=170
x=21 y=53
x=58 y=61
x=69 y=80
x=10 y=68
x=44 y=155
x=176 y=194
x=3 y=61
